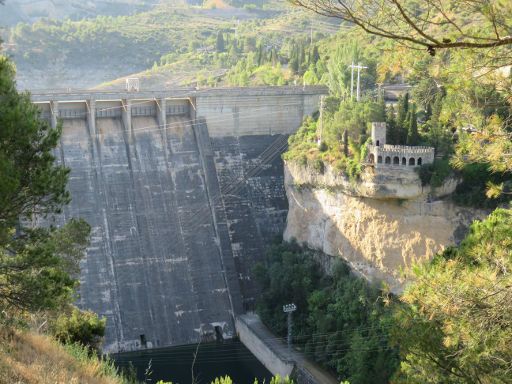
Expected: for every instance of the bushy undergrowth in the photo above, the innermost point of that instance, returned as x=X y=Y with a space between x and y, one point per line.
x=472 y=191
x=38 y=359
x=340 y=322
x=436 y=173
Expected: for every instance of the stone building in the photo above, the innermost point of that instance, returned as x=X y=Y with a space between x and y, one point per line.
x=381 y=154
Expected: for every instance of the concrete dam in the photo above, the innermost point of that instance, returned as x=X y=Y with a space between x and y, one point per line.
x=183 y=189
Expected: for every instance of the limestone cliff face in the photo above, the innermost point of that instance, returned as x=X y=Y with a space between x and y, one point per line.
x=381 y=226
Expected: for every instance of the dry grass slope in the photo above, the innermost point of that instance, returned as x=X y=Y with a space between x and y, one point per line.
x=30 y=358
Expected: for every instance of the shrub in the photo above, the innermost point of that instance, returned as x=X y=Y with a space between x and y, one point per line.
x=81 y=327
x=436 y=173
x=318 y=165
x=475 y=177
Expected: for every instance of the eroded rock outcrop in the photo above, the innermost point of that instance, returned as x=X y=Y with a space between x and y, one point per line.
x=381 y=226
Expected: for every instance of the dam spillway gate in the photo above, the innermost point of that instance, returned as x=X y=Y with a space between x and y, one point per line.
x=183 y=190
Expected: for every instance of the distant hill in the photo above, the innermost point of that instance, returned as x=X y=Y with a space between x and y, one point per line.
x=29 y=11
x=53 y=53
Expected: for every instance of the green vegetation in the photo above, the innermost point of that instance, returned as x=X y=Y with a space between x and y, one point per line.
x=436 y=173
x=31 y=358
x=36 y=263
x=79 y=327
x=228 y=380
x=455 y=324
x=341 y=321
x=465 y=117
x=182 y=45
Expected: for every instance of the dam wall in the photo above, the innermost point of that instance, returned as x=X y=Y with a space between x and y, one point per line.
x=182 y=191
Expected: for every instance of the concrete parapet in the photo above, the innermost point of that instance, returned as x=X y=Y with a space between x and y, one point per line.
x=228 y=111
x=261 y=348
x=177 y=93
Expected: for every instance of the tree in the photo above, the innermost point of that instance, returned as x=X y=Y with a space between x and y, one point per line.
x=220 y=46
x=339 y=321
x=456 y=324
x=82 y=327
x=432 y=24
x=260 y=54
x=412 y=127
x=37 y=264
x=401 y=119
x=391 y=132
x=315 y=55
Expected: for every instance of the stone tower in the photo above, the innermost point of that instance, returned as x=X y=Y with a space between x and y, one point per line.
x=379 y=134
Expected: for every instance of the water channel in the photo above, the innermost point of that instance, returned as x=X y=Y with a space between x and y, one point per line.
x=213 y=360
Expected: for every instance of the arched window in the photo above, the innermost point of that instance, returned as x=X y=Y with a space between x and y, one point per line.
x=420 y=161
x=412 y=161
x=371 y=158
x=378 y=143
x=379 y=159
x=404 y=161
x=396 y=160
x=388 y=160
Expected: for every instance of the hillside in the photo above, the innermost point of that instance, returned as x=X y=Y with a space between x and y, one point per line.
x=31 y=358
x=177 y=41
x=29 y=11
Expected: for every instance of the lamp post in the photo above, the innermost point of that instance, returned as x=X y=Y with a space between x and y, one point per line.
x=289 y=309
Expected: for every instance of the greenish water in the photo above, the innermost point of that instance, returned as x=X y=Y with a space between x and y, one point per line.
x=213 y=360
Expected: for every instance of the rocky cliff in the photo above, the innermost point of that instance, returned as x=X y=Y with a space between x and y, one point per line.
x=380 y=225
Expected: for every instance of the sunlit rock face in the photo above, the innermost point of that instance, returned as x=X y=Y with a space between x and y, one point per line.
x=381 y=226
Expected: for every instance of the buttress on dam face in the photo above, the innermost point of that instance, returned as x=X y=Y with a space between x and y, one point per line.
x=183 y=190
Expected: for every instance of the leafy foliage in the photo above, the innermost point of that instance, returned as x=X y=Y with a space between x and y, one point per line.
x=340 y=321
x=82 y=327
x=344 y=130
x=436 y=173
x=456 y=322
x=36 y=263
x=475 y=179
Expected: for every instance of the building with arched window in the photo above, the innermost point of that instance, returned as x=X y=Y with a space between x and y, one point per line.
x=381 y=154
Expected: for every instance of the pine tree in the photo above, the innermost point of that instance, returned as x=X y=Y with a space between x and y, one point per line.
x=220 y=46
x=259 y=53
x=302 y=57
x=294 y=60
x=401 y=125
x=391 y=134
x=412 y=122
x=382 y=108
x=36 y=268
x=315 y=55
x=436 y=130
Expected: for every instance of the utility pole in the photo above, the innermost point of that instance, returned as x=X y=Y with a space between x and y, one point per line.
x=236 y=28
x=352 y=81
x=359 y=67
x=289 y=309
x=358 y=93
x=321 y=119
